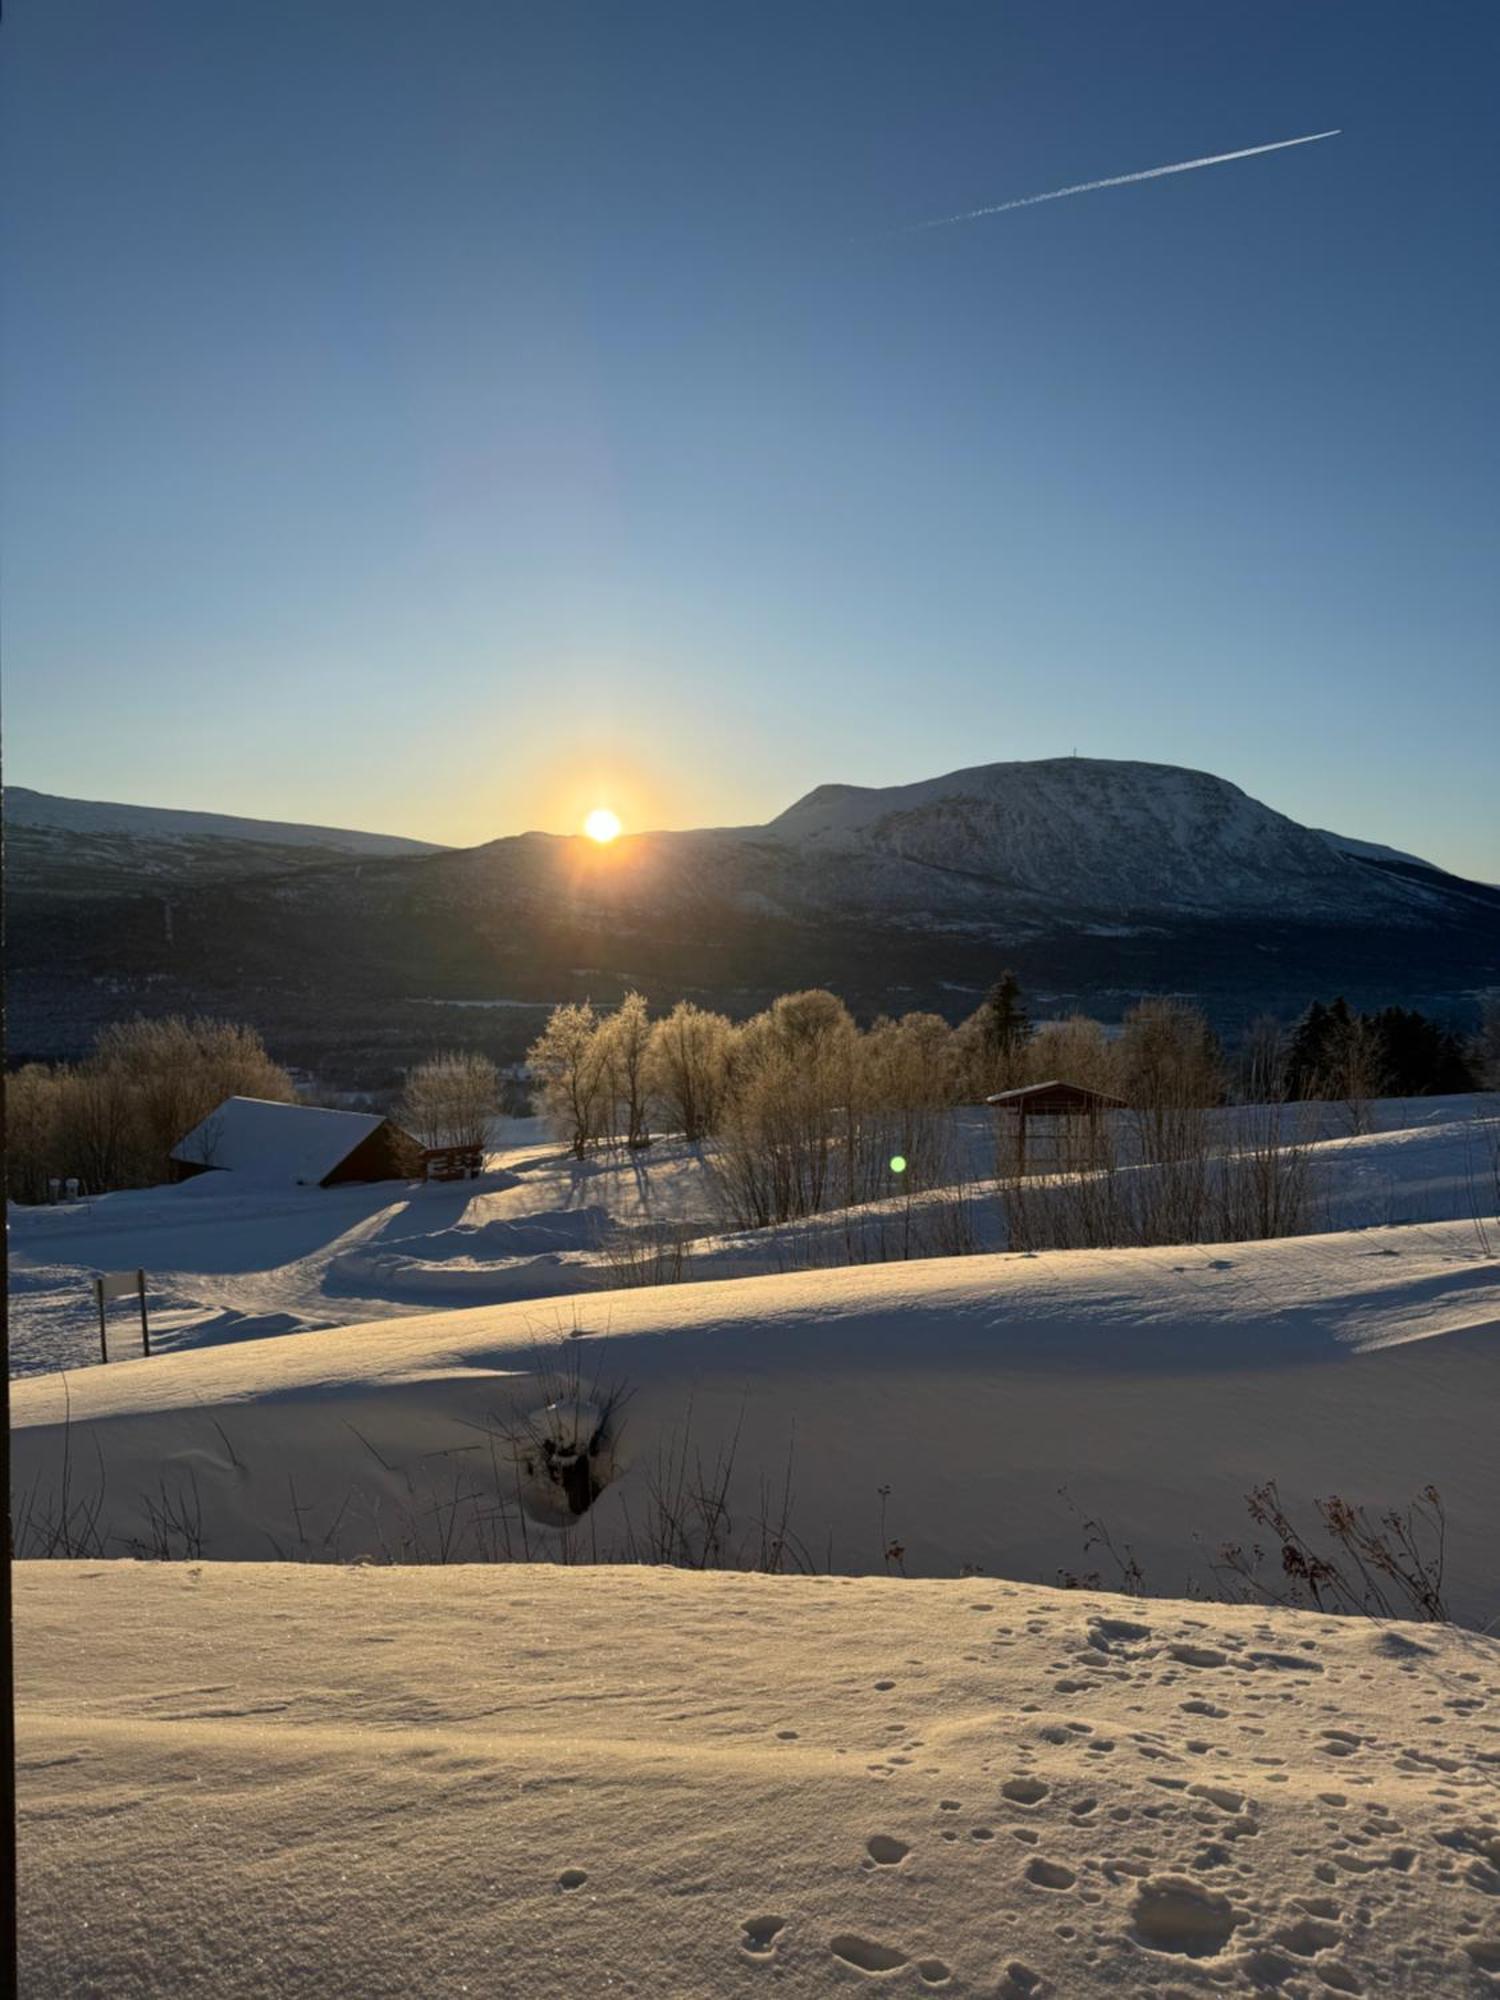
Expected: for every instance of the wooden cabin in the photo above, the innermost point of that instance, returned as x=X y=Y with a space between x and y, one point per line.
x=257 y=1142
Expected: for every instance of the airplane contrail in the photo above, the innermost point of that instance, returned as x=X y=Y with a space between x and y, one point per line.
x=1123 y=180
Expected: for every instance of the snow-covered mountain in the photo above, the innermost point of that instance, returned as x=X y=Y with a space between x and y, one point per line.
x=1095 y=881
x=82 y=846
x=1073 y=835
x=1086 y=834
x=84 y=816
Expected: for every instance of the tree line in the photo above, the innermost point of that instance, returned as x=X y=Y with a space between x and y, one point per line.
x=1334 y=1051
x=112 y=1120
x=613 y=1077
x=805 y=1108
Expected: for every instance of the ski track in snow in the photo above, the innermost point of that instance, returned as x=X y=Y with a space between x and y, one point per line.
x=230 y=1266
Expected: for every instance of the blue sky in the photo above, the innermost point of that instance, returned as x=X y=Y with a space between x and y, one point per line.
x=442 y=419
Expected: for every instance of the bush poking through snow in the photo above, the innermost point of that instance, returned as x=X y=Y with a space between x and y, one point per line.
x=657 y=1254
x=564 y=1452
x=1389 y=1565
x=564 y=1460
x=1129 y=1579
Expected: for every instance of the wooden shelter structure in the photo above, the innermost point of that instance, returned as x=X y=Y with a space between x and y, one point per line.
x=1051 y=1101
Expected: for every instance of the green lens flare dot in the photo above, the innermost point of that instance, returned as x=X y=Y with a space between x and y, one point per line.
x=898 y=1164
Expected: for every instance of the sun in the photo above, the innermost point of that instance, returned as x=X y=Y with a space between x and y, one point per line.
x=602 y=825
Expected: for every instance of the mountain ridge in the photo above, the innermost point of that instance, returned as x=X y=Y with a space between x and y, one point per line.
x=1096 y=881
x=1125 y=833
x=54 y=811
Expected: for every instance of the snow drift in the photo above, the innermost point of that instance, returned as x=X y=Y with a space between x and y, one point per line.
x=971 y=1411
x=556 y=1782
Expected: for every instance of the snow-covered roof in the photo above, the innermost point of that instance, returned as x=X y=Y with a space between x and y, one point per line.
x=275 y=1144
x=1055 y=1095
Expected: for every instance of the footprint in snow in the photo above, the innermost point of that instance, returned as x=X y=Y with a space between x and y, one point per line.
x=760 y=1935
x=867 y=1954
x=886 y=1851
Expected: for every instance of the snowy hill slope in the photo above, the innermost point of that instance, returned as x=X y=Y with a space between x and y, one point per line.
x=229 y=1264
x=1372 y=850
x=364 y=1784
x=84 y=845
x=44 y=811
x=1000 y=1399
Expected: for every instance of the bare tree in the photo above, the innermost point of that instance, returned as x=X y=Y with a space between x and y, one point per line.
x=1262 y=1061
x=450 y=1099
x=176 y=1071
x=792 y=1075
x=1169 y=1056
x=33 y=1122
x=817 y=1114
x=906 y=1082
x=114 y=1119
x=1075 y=1050
x=100 y=1133
x=1355 y=1068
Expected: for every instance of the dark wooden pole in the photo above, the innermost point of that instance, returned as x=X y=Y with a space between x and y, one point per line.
x=140 y=1282
x=103 y=1331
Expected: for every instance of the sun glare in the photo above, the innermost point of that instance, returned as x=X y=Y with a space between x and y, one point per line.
x=602 y=825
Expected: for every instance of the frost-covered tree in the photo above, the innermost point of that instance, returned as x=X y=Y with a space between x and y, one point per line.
x=449 y=1099
x=1074 y=1050
x=569 y=1063
x=112 y=1120
x=624 y=1048
x=793 y=1086
x=689 y=1068
x=1169 y=1056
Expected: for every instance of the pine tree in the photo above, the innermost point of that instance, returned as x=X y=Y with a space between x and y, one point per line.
x=1007 y=1025
x=1307 y=1053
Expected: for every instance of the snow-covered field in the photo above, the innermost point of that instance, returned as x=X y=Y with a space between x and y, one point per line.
x=228 y=1263
x=466 y=1735
x=975 y=1412
x=248 y=1780
x=996 y=1399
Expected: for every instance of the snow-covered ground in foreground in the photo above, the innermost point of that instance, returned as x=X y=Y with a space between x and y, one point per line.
x=941 y=1405
x=252 y=1780
x=229 y=1263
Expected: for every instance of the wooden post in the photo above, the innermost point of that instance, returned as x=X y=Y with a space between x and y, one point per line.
x=103 y=1335
x=140 y=1279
